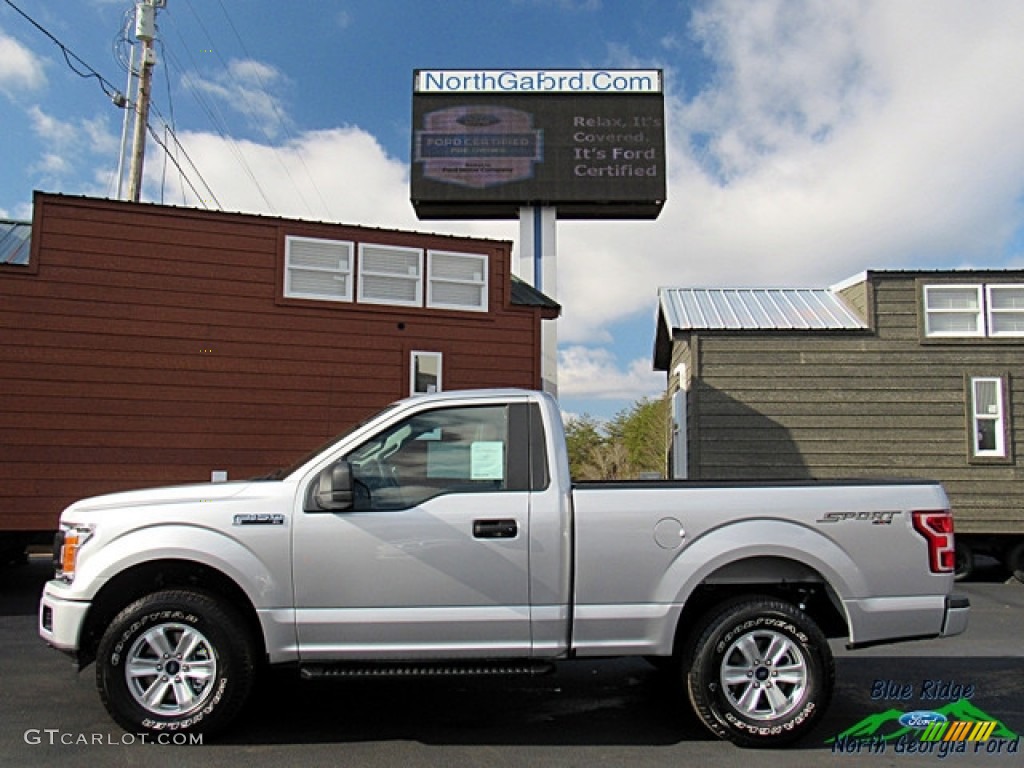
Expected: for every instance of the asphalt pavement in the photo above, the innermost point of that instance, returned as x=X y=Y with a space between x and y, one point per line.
x=588 y=713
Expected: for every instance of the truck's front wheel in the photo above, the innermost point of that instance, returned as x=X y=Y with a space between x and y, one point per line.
x=760 y=673
x=175 y=661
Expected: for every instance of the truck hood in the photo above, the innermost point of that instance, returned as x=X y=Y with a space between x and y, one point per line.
x=177 y=494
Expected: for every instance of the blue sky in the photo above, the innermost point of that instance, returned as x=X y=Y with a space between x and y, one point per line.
x=808 y=140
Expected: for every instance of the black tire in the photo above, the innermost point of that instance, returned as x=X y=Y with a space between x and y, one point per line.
x=1015 y=560
x=760 y=673
x=176 y=661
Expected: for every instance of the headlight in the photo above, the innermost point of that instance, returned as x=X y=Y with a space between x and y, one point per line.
x=66 y=545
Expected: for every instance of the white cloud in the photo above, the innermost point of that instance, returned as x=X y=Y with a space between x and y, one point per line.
x=68 y=142
x=341 y=175
x=830 y=139
x=54 y=131
x=20 y=69
x=101 y=140
x=51 y=165
x=593 y=372
x=21 y=212
x=246 y=88
x=338 y=175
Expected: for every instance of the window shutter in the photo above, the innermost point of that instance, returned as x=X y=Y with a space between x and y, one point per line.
x=318 y=269
x=457 y=281
x=390 y=275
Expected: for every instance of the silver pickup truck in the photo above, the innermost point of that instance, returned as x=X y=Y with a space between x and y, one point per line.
x=445 y=536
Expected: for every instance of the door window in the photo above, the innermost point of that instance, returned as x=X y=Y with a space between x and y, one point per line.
x=451 y=450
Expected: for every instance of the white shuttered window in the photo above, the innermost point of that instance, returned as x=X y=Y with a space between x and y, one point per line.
x=457 y=281
x=390 y=275
x=371 y=273
x=318 y=269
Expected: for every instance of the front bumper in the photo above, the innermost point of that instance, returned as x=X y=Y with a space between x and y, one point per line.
x=60 y=619
x=958 y=607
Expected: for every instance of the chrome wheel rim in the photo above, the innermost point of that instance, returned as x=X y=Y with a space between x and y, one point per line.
x=170 y=670
x=764 y=675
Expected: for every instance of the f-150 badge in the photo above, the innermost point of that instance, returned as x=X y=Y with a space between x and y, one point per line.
x=258 y=519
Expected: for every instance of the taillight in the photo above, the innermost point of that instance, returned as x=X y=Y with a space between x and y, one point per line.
x=937 y=529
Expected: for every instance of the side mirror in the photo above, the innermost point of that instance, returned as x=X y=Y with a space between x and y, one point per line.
x=332 y=490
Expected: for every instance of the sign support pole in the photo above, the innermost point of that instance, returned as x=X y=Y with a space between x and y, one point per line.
x=538 y=266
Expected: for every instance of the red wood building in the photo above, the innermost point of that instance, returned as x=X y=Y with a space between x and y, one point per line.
x=145 y=344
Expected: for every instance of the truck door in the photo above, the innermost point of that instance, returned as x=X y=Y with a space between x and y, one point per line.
x=432 y=558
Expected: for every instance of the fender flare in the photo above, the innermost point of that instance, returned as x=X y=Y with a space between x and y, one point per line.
x=756 y=539
x=193 y=543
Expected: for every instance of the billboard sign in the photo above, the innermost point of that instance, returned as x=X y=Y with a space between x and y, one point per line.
x=487 y=142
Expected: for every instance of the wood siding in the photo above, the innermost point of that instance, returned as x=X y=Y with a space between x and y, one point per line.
x=150 y=345
x=882 y=403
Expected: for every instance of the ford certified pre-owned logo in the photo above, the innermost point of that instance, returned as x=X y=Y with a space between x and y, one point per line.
x=258 y=519
x=921 y=718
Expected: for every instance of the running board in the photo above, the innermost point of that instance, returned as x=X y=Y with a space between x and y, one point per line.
x=425 y=669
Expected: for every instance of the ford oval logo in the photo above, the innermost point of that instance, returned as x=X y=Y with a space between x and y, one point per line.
x=921 y=719
x=478 y=120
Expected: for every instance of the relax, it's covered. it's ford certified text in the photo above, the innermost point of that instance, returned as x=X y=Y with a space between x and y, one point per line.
x=445 y=535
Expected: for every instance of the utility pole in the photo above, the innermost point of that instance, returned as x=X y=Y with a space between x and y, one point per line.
x=122 y=102
x=145 y=31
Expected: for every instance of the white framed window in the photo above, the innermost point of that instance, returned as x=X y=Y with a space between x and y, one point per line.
x=316 y=268
x=390 y=274
x=425 y=373
x=1005 y=310
x=953 y=310
x=457 y=281
x=988 y=418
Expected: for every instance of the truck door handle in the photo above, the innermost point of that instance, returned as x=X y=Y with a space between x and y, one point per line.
x=495 y=529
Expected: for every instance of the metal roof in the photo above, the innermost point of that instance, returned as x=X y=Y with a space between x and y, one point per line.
x=525 y=295
x=15 y=241
x=760 y=309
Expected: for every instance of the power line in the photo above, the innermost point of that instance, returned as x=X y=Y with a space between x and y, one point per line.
x=173 y=126
x=122 y=42
x=84 y=70
x=216 y=51
x=215 y=117
x=105 y=85
x=169 y=128
x=184 y=177
x=281 y=118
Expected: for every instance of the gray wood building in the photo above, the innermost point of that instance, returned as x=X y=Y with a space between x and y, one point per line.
x=889 y=374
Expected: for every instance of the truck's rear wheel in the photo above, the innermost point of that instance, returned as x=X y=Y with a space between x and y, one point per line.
x=175 y=661
x=760 y=673
x=964 y=567
x=1015 y=560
